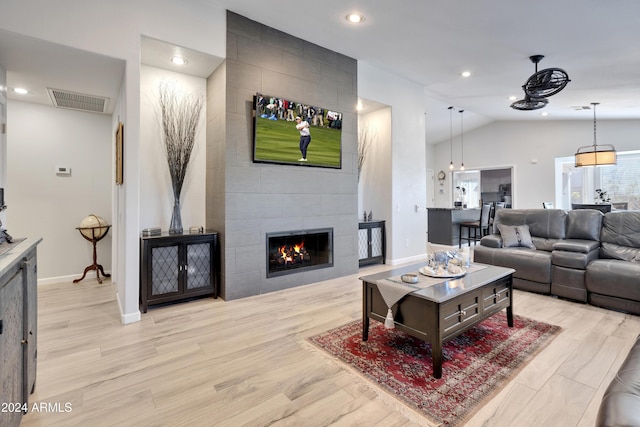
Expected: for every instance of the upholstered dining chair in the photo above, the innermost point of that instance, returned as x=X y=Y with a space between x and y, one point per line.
x=604 y=208
x=479 y=228
x=492 y=217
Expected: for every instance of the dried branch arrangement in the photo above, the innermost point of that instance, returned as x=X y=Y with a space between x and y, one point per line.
x=365 y=137
x=180 y=119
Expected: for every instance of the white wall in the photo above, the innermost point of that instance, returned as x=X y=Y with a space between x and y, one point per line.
x=156 y=195
x=520 y=144
x=115 y=29
x=42 y=204
x=119 y=231
x=374 y=187
x=3 y=136
x=406 y=227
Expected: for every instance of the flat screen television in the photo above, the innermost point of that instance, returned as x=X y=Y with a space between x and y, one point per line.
x=295 y=133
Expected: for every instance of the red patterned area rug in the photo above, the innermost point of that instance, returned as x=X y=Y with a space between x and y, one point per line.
x=476 y=365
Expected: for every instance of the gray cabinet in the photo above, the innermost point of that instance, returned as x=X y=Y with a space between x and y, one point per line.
x=371 y=242
x=18 y=331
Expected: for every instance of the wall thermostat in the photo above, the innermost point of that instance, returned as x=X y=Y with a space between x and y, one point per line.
x=63 y=171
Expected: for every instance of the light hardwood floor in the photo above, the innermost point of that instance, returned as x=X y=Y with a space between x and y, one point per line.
x=244 y=363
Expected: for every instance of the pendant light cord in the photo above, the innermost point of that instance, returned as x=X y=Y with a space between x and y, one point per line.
x=594 y=125
x=451 y=136
x=461 y=141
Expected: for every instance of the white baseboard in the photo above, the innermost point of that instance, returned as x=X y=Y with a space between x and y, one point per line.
x=415 y=258
x=67 y=279
x=59 y=279
x=127 y=318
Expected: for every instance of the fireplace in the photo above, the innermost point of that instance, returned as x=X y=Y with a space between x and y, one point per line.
x=296 y=251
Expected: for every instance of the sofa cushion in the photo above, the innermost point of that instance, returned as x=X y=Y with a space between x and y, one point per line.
x=530 y=264
x=543 y=244
x=491 y=241
x=624 y=253
x=584 y=224
x=515 y=236
x=578 y=260
x=510 y=216
x=576 y=245
x=544 y=223
x=614 y=278
x=621 y=228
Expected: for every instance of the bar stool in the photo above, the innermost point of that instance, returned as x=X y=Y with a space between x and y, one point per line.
x=480 y=227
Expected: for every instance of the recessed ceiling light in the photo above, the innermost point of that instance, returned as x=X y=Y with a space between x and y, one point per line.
x=466 y=73
x=355 y=18
x=513 y=98
x=178 y=60
x=20 y=90
x=544 y=114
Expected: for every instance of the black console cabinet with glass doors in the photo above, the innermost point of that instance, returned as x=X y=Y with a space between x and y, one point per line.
x=371 y=242
x=177 y=267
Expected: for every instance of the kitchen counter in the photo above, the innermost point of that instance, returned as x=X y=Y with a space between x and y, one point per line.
x=444 y=228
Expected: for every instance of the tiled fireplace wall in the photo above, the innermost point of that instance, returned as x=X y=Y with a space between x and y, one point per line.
x=246 y=200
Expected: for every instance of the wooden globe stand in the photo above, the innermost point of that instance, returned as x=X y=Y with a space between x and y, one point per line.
x=94 y=239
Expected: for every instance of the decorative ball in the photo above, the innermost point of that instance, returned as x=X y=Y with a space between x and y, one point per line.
x=97 y=223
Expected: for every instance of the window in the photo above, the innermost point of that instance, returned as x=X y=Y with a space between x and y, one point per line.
x=579 y=185
x=466 y=188
x=482 y=185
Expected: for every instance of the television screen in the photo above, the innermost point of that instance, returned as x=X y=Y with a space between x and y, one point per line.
x=294 y=133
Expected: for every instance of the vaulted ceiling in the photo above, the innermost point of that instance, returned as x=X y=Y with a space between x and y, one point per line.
x=430 y=43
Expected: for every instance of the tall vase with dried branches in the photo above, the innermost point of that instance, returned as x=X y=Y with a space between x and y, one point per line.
x=180 y=118
x=365 y=137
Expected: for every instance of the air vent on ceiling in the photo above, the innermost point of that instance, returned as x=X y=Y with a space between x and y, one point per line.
x=581 y=107
x=78 y=101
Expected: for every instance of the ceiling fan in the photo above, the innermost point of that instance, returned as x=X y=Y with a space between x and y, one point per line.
x=541 y=85
x=529 y=103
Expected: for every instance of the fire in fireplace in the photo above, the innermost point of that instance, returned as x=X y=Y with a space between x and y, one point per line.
x=295 y=251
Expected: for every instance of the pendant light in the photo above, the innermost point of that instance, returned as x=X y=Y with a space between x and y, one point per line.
x=596 y=155
x=461 y=142
x=451 y=136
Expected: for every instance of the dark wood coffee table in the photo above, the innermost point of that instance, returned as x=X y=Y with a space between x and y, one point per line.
x=443 y=311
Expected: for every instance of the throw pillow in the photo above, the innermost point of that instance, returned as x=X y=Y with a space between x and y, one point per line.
x=515 y=236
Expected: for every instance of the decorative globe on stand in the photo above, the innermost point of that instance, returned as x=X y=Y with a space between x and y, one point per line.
x=93 y=226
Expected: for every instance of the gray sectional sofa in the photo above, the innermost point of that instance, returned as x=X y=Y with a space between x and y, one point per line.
x=620 y=404
x=582 y=255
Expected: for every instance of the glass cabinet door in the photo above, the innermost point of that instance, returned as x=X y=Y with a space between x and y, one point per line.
x=164 y=270
x=198 y=265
